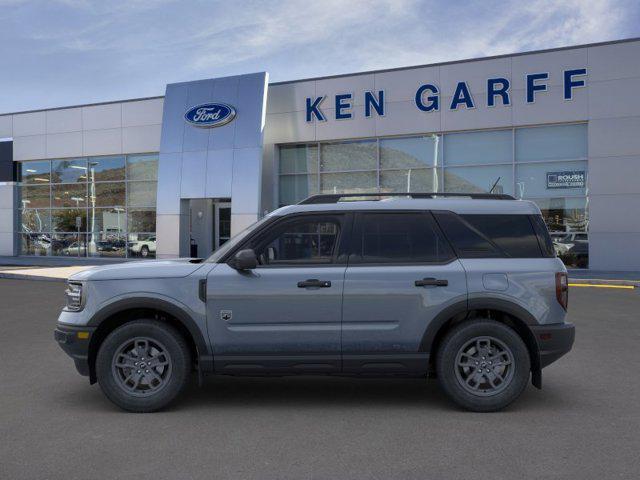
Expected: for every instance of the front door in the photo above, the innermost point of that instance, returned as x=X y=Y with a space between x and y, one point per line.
x=285 y=314
x=401 y=274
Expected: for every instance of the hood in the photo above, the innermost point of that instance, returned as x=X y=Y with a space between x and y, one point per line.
x=139 y=270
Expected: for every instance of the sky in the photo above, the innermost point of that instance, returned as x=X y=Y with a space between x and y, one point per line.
x=68 y=52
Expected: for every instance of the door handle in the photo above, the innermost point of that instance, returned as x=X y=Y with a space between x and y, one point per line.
x=314 y=282
x=431 y=282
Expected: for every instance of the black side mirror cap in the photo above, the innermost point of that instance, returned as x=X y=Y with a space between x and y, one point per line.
x=244 y=260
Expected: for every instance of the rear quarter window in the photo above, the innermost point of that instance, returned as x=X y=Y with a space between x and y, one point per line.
x=491 y=236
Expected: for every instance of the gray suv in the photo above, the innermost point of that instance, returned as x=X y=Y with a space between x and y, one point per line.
x=465 y=288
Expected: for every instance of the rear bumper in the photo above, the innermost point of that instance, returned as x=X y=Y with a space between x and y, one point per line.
x=553 y=341
x=75 y=343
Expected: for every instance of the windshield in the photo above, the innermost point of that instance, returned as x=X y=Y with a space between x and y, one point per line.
x=235 y=240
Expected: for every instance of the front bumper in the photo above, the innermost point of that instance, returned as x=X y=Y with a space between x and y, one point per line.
x=75 y=343
x=554 y=341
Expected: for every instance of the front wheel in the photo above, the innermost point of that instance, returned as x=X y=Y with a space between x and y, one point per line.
x=143 y=365
x=483 y=365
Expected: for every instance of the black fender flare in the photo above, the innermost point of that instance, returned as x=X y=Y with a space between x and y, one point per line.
x=521 y=315
x=202 y=346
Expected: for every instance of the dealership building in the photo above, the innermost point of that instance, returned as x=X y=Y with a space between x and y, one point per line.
x=178 y=175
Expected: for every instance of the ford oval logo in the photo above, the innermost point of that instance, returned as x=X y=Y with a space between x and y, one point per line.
x=210 y=115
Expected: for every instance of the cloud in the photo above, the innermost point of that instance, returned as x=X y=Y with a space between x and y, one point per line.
x=88 y=50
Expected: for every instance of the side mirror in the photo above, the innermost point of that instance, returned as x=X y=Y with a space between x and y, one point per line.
x=245 y=260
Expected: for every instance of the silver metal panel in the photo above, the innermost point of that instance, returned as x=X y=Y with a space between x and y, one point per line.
x=173 y=124
x=219 y=171
x=196 y=139
x=169 y=171
x=249 y=122
x=247 y=180
x=192 y=180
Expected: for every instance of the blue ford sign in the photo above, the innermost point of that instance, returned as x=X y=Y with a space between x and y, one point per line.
x=210 y=115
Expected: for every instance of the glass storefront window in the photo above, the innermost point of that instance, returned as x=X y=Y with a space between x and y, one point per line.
x=94 y=189
x=108 y=220
x=143 y=220
x=294 y=188
x=411 y=152
x=477 y=148
x=410 y=180
x=69 y=245
x=353 y=182
x=69 y=171
x=141 y=194
x=108 y=194
x=299 y=159
x=479 y=179
x=35 y=220
x=69 y=195
x=552 y=179
x=142 y=167
x=347 y=156
x=106 y=169
x=38 y=172
x=35 y=196
x=64 y=220
x=557 y=142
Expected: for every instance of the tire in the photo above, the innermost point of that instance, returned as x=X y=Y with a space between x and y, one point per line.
x=144 y=251
x=156 y=384
x=483 y=341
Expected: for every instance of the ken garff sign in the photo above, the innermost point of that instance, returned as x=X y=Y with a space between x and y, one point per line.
x=567 y=179
x=427 y=96
x=210 y=115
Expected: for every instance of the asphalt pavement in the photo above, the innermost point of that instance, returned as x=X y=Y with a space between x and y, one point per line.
x=583 y=424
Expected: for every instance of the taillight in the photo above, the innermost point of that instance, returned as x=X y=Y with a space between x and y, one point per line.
x=562 y=289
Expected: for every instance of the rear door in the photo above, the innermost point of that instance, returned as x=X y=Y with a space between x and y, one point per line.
x=402 y=272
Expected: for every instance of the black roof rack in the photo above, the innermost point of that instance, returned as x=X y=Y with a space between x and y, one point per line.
x=336 y=197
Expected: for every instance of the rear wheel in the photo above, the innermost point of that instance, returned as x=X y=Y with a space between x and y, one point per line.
x=143 y=365
x=144 y=251
x=483 y=365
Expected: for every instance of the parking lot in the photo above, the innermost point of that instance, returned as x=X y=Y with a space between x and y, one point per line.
x=584 y=424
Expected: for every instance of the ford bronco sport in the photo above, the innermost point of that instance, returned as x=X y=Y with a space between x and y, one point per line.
x=465 y=288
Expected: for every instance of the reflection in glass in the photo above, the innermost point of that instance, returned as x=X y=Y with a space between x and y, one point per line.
x=106 y=244
x=69 y=171
x=479 y=179
x=69 y=195
x=35 y=220
x=142 y=194
x=345 y=156
x=105 y=169
x=142 y=167
x=299 y=159
x=34 y=172
x=69 y=245
x=64 y=220
x=411 y=152
x=294 y=188
x=473 y=148
x=354 y=182
x=34 y=196
x=108 y=194
x=142 y=245
x=411 y=180
x=38 y=244
x=110 y=221
x=142 y=220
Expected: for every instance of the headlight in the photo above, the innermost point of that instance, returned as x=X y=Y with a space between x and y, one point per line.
x=73 y=294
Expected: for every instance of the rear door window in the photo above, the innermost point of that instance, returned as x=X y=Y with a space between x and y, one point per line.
x=399 y=237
